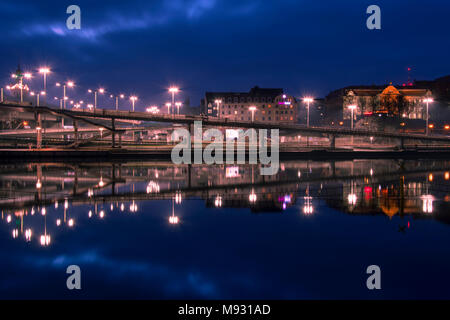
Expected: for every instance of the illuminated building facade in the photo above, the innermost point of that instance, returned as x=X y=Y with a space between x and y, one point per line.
x=259 y=104
x=404 y=102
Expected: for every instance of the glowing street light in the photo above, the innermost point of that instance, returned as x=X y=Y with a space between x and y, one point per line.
x=69 y=84
x=133 y=100
x=307 y=100
x=178 y=104
x=100 y=90
x=352 y=108
x=427 y=101
x=173 y=91
x=253 y=109
x=44 y=71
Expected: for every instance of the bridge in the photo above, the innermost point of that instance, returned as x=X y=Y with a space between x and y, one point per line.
x=107 y=120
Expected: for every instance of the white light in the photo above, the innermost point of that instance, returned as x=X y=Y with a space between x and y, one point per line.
x=427 y=206
x=218 y=202
x=352 y=199
x=71 y=223
x=28 y=234
x=173 y=220
x=45 y=240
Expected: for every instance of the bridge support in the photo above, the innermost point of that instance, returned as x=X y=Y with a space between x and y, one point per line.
x=75 y=127
x=113 y=137
x=39 y=131
x=332 y=141
x=402 y=143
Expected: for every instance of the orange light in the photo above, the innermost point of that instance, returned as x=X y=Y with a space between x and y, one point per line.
x=447 y=175
x=431 y=126
x=341 y=123
x=430 y=177
x=402 y=124
x=25 y=123
x=446 y=127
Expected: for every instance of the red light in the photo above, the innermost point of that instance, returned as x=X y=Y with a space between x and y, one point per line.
x=409 y=69
x=404 y=84
x=408 y=225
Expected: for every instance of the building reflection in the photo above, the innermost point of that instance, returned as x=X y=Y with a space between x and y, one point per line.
x=362 y=187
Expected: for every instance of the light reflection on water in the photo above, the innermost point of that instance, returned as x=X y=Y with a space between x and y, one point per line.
x=153 y=230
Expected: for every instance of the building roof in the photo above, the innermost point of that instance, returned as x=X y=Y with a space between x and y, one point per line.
x=254 y=92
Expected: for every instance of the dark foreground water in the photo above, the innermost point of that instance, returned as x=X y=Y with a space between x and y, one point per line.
x=152 y=230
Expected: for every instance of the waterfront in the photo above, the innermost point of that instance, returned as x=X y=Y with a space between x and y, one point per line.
x=155 y=230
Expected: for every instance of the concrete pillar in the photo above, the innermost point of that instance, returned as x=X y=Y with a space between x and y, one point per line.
x=75 y=127
x=113 y=136
x=333 y=142
x=39 y=131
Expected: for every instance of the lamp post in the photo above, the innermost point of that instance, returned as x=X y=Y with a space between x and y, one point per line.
x=178 y=104
x=100 y=90
x=133 y=100
x=253 y=109
x=69 y=84
x=45 y=71
x=427 y=101
x=352 y=108
x=42 y=93
x=168 y=107
x=218 y=102
x=307 y=101
x=173 y=91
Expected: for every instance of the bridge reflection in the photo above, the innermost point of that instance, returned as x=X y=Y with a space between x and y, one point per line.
x=36 y=198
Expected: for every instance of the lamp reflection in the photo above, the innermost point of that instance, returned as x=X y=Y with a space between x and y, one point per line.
x=218 y=202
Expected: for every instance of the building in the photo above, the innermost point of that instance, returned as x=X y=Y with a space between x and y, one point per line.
x=402 y=102
x=259 y=104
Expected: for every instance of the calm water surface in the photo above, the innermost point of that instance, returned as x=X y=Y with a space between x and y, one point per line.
x=153 y=230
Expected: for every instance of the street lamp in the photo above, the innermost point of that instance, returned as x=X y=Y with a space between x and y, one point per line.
x=121 y=96
x=133 y=100
x=427 y=101
x=307 y=101
x=101 y=90
x=253 y=109
x=178 y=104
x=45 y=71
x=352 y=108
x=173 y=91
x=168 y=105
x=218 y=102
x=69 y=84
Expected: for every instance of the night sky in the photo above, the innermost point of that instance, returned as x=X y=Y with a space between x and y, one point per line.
x=305 y=47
